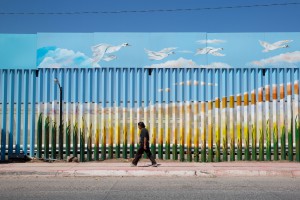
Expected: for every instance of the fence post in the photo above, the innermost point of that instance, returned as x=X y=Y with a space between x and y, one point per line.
x=4 y=110
x=224 y=92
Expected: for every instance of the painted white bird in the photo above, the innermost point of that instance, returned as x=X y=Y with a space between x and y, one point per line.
x=277 y=45
x=100 y=51
x=210 y=50
x=159 y=55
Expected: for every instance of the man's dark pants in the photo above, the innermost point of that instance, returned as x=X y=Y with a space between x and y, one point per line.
x=140 y=153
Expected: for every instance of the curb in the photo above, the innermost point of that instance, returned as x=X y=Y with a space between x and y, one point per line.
x=160 y=173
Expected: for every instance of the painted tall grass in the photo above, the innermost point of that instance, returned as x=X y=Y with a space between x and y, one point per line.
x=89 y=142
x=82 y=140
x=275 y=124
x=239 y=127
x=47 y=134
x=75 y=139
x=296 y=118
x=246 y=126
x=175 y=132
x=181 y=130
x=203 y=132
x=253 y=125
x=231 y=128
x=260 y=123
x=210 y=131
x=53 y=140
x=39 y=135
x=117 y=133
x=289 y=121
x=167 y=132
x=282 y=123
x=268 y=127
x=111 y=135
x=153 y=130
x=68 y=138
x=224 y=128
x=160 y=131
x=188 y=131
x=196 y=132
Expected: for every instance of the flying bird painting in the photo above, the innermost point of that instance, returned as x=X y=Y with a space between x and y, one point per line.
x=159 y=55
x=277 y=45
x=210 y=50
x=100 y=51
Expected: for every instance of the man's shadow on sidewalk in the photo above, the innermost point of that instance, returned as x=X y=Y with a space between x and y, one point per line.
x=149 y=165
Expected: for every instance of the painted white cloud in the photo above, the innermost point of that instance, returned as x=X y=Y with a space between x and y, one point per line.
x=289 y=58
x=185 y=63
x=214 y=41
x=63 y=58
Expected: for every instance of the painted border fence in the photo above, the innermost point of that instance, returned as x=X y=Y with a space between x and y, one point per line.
x=193 y=114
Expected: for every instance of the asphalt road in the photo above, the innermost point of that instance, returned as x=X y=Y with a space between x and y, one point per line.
x=145 y=188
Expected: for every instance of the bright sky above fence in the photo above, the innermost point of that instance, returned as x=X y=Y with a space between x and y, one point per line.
x=34 y=16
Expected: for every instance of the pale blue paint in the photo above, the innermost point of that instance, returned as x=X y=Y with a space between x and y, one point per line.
x=18 y=51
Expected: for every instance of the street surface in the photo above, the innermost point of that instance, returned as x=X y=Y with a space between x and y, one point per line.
x=181 y=188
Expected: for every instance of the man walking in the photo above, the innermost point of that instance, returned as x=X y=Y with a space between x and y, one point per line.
x=144 y=146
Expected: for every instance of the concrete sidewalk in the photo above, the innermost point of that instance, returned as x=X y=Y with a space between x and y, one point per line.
x=120 y=168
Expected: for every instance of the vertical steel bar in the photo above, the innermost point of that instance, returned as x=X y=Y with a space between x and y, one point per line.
x=11 y=112
x=167 y=91
x=289 y=113
x=267 y=115
x=181 y=113
x=231 y=115
x=117 y=112
x=296 y=113
x=4 y=113
x=203 y=114
x=40 y=113
x=132 y=110
x=153 y=113
x=75 y=113
x=174 y=83
x=217 y=114
x=239 y=114
x=260 y=115
x=246 y=112
x=282 y=114
x=224 y=92
x=275 y=113
x=253 y=112
x=18 y=122
x=188 y=113
x=32 y=116
x=159 y=118
x=125 y=105
x=89 y=117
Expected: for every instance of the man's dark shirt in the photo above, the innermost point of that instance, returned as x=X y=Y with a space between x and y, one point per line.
x=144 y=134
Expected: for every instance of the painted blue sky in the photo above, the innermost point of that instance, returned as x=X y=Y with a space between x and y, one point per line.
x=169 y=50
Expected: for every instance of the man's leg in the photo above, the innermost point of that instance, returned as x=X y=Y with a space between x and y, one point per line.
x=138 y=156
x=149 y=154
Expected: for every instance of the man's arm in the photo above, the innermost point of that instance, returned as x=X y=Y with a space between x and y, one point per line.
x=145 y=142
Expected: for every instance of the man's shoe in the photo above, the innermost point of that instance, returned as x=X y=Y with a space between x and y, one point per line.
x=154 y=165
x=132 y=165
